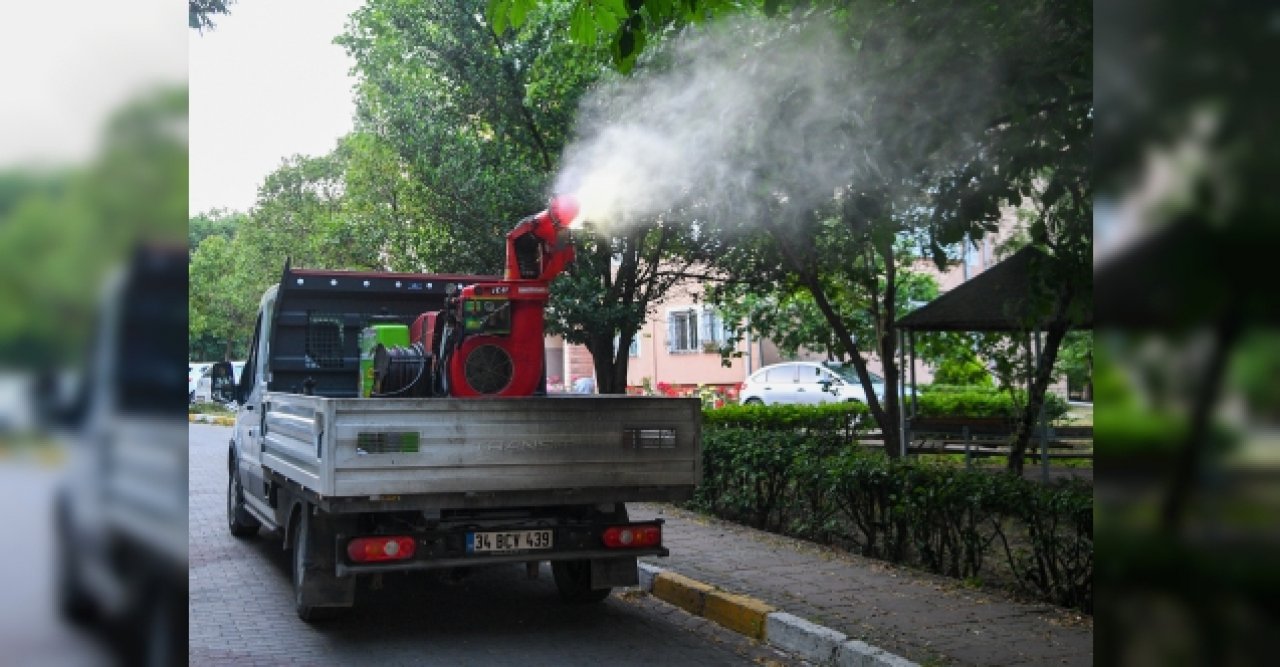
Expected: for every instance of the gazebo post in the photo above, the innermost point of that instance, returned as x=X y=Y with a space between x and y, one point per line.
x=902 y=413
x=911 y=335
x=1042 y=427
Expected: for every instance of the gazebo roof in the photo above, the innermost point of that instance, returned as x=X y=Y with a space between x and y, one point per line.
x=995 y=300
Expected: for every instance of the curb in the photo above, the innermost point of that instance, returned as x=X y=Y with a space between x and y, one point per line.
x=211 y=419
x=760 y=621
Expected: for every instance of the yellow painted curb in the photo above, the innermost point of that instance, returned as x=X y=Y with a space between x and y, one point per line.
x=681 y=591
x=210 y=419
x=739 y=613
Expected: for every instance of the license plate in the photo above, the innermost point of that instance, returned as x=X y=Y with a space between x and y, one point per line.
x=513 y=540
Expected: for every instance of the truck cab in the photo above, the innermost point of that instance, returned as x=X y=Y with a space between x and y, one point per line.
x=121 y=508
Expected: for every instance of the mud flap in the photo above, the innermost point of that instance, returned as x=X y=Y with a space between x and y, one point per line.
x=614 y=572
x=317 y=584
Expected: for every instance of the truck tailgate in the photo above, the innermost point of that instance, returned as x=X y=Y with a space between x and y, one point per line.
x=341 y=447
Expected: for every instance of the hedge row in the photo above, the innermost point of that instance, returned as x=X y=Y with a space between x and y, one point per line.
x=967 y=401
x=932 y=401
x=792 y=469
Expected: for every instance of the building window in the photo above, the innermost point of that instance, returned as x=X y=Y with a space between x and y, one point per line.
x=682 y=330
x=695 y=329
x=714 y=332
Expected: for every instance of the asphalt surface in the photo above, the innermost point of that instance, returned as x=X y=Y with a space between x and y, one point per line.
x=31 y=632
x=241 y=609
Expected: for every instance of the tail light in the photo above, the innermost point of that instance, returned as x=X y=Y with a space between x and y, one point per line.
x=635 y=536
x=380 y=548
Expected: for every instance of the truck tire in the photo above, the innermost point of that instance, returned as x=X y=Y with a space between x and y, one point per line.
x=239 y=521
x=306 y=573
x=573 y=581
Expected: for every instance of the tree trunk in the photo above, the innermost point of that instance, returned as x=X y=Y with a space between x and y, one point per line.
x=1039 y=386
x=610 y=365
x=1191 y=456
x=887 y=348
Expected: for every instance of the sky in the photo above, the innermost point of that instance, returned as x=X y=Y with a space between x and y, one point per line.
x=69 y=63
x=266 y=83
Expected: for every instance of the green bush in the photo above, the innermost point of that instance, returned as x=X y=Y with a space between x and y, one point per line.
x=970 y=401
x=963 y=372
x=797 y=469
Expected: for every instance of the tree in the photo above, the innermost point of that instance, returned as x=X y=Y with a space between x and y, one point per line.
x=217 y=222
x=629 y=24
x=200 y=13
x=838 y=133
x=224 y=290
x=479 y=116
x=60 y=234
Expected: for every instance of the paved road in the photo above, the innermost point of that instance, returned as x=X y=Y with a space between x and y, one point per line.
x=31 y=633
x=241 y=609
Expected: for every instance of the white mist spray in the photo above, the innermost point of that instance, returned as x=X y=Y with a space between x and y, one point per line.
x=728 y=119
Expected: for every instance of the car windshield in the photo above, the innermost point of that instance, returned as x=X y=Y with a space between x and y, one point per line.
x=850 y=375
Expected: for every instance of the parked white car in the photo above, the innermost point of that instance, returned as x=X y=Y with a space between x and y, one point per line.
x=204 y=387
x=807 y=382
x=195 y=371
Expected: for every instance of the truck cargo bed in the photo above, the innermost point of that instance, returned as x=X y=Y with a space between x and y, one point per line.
x=443 y=452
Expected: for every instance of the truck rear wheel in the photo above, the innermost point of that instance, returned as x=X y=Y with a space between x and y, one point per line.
x=573 y=581
x=239 y=521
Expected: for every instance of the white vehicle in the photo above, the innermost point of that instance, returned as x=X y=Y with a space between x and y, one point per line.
x=807 y=382
x=203 y=392
x=121 y=509
x=195 y=371
x=359 y=486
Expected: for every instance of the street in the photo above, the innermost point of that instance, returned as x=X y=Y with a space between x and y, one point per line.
x=241 y=608
x=31 y=632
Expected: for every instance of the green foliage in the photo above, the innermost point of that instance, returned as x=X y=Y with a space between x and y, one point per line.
x=63 y=231
x=1255 y=365
x=218 y=222
x=794 y=469
x=200 y=13
x=830 y=419
x=477 y=115
x=1075 y=359
x=970 y=401
x=629 y=24
x=963 y=372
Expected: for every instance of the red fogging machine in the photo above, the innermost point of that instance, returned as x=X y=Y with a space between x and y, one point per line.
x=488 y=338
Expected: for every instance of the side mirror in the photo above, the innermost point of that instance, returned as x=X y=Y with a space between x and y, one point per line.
x=222 y=383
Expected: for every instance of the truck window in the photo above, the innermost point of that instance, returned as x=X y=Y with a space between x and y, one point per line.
x=148 y=375
x=249 y=375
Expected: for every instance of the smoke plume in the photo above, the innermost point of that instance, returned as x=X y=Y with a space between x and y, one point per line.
x=739 y=116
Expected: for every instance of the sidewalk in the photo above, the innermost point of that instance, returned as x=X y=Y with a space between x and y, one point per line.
x=925 y=619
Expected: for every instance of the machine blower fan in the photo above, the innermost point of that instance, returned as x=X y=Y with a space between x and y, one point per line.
x=488 y=340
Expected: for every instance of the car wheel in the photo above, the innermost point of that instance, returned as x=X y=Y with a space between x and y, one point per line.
x=573 y=581
x=753 y=401
x=239 y=521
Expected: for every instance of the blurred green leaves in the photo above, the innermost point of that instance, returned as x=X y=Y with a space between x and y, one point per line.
x=63 y=229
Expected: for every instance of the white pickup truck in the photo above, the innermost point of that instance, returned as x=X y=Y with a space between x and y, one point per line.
x=360 y=486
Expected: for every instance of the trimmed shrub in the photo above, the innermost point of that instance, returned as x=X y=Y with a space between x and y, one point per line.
x=798 y=470
x=970 y=401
